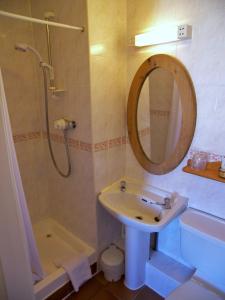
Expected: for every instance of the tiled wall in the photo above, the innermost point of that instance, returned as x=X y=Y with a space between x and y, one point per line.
x=72 y=200
x=97 y=145
x=107 y=41
x=203 y=57
x=20 y=80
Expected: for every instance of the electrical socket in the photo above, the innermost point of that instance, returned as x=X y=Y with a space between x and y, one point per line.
x=184 y=32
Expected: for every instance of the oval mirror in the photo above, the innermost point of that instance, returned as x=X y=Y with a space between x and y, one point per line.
x=161 y=113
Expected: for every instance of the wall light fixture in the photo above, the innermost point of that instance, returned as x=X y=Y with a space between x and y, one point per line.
x=163 y=34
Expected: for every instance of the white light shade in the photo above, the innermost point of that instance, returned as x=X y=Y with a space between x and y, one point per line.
x=160 y=35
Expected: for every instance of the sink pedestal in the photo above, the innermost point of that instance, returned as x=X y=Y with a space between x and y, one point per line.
x=137 y=251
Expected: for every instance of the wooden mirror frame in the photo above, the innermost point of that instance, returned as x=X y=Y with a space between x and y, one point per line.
x=188 y=104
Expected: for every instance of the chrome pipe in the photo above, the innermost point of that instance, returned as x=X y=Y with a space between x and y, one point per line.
x=49 y=45
x=49 y=48
x=35 y=20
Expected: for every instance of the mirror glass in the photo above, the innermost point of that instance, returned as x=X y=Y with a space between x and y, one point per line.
x=159 y=115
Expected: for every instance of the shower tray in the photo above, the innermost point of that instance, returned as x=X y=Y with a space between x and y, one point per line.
x=53 y=242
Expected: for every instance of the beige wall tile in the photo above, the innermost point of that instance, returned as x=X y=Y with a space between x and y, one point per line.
x=107 y=37
x=20 y=79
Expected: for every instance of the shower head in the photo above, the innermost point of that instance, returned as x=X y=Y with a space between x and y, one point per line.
x=25 y=48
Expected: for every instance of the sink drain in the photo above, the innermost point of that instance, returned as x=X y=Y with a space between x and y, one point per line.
x=139 y=217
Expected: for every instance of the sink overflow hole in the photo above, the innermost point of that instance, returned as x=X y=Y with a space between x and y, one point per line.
x=139 y=217
x=144 y=200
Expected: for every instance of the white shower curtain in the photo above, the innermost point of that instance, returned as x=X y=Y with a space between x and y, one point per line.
x=174 y=122
x=31 y=244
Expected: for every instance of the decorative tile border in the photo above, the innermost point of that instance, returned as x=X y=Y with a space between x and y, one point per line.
x=76 y=144
x=115 y=142
x=125 y=140
x=100 y=146
x=144 y=132
x=159 y=113
x=86 y=146
x=26 y=136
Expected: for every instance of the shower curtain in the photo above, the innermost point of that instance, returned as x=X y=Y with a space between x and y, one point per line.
x=174 y=122
x=31 y=244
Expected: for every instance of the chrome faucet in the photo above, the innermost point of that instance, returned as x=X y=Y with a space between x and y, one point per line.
x=166 y=204
x=123 y=186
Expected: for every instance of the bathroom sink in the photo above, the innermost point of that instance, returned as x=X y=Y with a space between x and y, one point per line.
x=141 y=208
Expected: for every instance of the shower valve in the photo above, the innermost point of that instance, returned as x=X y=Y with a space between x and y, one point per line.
x=73 y=124
x=64 y=124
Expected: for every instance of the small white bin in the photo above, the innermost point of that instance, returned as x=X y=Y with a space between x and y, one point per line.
x=112 y=263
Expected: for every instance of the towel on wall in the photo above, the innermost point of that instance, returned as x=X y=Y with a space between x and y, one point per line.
x=77 y=268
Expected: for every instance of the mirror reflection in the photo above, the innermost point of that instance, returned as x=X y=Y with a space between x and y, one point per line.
x=159 y=115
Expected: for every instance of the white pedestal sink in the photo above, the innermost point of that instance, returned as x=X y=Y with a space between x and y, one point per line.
x=141 y=209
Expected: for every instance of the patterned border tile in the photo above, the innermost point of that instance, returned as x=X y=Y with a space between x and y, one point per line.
x=125 y=140
x=22 y=137
x=74 y=143
x=33 y=135
x=160 y=113
x=115 y=142
x=85 y=146
x=100 y=146
x=144 y=132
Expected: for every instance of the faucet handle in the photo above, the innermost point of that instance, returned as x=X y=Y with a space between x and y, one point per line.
x=123 y=185
x=167 y=202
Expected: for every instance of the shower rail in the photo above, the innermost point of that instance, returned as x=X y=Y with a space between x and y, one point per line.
x=35 y=20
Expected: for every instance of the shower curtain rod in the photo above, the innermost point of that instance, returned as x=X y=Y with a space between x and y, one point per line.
x=34 y=20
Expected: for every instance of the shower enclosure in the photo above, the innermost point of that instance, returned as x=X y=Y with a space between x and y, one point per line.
x=61 y=208
x=62 y=124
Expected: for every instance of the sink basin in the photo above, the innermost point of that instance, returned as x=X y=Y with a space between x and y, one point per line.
x=140 y=208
